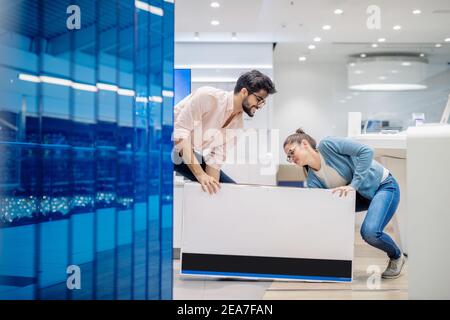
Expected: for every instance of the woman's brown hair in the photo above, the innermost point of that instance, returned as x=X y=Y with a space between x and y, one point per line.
x=297 y=137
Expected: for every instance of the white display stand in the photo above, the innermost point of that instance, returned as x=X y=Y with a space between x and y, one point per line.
x=428 y=212
x=249 y=231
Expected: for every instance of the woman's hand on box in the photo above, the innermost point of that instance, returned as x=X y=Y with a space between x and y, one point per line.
x=343 y=191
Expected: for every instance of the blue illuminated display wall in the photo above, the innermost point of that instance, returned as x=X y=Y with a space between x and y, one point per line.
x=86 y=117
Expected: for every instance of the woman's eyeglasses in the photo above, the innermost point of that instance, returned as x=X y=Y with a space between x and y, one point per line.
x=291 y=154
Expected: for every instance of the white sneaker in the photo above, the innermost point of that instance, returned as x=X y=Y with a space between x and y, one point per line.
x=394 y=268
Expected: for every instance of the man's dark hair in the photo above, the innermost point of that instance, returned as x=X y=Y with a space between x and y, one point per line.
x=254 y=81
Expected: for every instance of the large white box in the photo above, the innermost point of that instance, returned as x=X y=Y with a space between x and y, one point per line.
x=249 y=231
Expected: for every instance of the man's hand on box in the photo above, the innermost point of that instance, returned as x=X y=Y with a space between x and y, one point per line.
x=209 y=183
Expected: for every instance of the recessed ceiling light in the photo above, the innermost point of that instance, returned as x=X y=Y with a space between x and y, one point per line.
x=338 y=11
x=382 y=78
x=438 y=45
x=326 y=27
x=215 y=22
x=363 y=55
x=374 y=45
x=196 y=36
x=215 y=4
x=233 y=36
x=397 y=27
x=382 y=40
x=317 y=39
x=417 y=11
x=352 y=64
x=358 y=72
x=422 y=55
x=302 y=58
x=447 y=40
x=406 y=64
x=311 y=47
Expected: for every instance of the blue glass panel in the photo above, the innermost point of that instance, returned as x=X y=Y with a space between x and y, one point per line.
x=85 y=172
x=166 y=148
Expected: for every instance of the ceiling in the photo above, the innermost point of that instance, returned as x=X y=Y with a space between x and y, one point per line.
x=293 y=24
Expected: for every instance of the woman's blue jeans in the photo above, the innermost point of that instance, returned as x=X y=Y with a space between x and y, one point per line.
x=379 y=212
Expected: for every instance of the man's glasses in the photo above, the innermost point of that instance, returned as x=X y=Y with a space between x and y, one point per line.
x=260 y=100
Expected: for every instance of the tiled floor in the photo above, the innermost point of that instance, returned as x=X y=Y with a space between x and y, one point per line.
x=364 y=285
x=190 y=288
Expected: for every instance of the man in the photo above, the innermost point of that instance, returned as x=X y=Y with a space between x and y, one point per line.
x=201 y=123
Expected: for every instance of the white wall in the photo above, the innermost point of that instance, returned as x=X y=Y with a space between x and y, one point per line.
x=220 y=65
x=309 y=96
x=226 y=54
x=305 y=99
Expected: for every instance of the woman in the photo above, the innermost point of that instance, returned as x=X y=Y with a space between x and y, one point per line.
x=345 y=165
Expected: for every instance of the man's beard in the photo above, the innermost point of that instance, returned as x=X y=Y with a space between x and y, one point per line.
x=247 y=108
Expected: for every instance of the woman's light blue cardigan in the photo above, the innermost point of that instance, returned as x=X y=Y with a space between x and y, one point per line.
x=353 y=161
